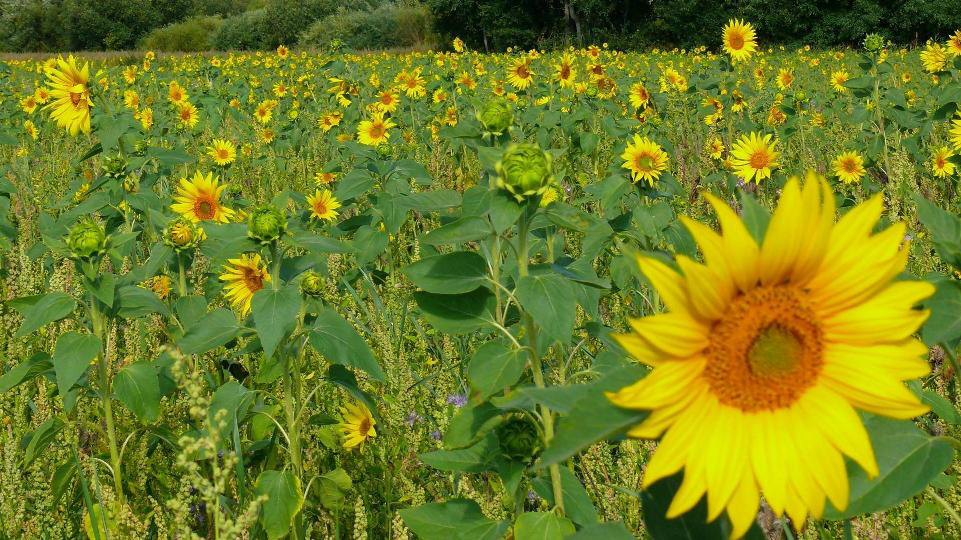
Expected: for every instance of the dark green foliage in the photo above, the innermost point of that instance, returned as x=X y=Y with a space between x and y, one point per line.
x=387 y=26
x=193 y=34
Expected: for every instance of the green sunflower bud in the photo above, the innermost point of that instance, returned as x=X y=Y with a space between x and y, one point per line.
x=524 y=170
x=312 y=284
x=115 y=167
x=266 y=224
x=519 y=439
x=87 y=240
x=183 y=234
x=496 y=117
x=874 y=42
x=384 y=151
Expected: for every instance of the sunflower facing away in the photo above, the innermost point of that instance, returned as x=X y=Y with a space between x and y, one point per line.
x=357 y=424
x=374 y=131
x=767 y=350
x=70 y=94
x=645 y=159
x=849 y=167
x=740 y=40
x=753 y=157
x=244 y=276
x=323 y=205
x=199 y=199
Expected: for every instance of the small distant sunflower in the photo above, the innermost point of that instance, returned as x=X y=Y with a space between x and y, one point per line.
x=413 y=84
x=388 y=101
x=323 y=205
x=645 y=159
x=282 y=51
x=357 y=425
x=199 y=199
x=941 y=163
x=639 y=95
x=565 y=72
x=781 y=340
x=29 y=104
x=176 y=94
x=31 y=129
x=244 y=276
x=458 y=44
x=187 y=115
x=329 y=121
x=374 y=131
x=838 y=78
x=324 y=178
x=222 y=151
x=740 y=40
x=715 y=147
x=754 y=156
x=71 y=96
x=849 y=167
x=784 y=78
x=520 y=74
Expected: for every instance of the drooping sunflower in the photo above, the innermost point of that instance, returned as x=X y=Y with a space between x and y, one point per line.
x=222 y=151
x=767 y=350
x=199 y=199
x=645 y=159
x=323 y=205
x=740 y=40
x=244 y=276
x=849 y=167
x=519 y=74
x=357 y=425
x=941 y=163
x=374 y=131
x=70 y=95
x=754 y=157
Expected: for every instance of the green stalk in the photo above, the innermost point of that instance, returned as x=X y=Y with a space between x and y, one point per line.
x=104 y=378
x=536 y=367
x=181 y=276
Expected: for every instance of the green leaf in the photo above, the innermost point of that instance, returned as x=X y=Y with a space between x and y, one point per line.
x=495 y=366
x=542 y=526
x=577 y=503
x=24 y=371
x=456 y=519
x=465 y=229
x=504 y=211
x=476 y=458
x=235 y=399
x=756 y=217
x=550 y=300
x=457 y=313
x=611 y=530
x=450 y=273
x=342 y=377
x=319 y=245
x=133 y=301
x=213 y=330
x=48 y=308
x=471 y=423
x=40 y=439
x=941 y=406
x=692 y=525
x=331 y=488
x=138 y=387
x=275 y=315
x=71 y=358
x=908 y=460
x=945 y=230
x=284 y=501
x=944 y=323
x=336 y=339
x=593 y=417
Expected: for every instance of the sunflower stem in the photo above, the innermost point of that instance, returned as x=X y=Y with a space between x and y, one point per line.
x=96 y=318
x=536 y=367
x=947 y=506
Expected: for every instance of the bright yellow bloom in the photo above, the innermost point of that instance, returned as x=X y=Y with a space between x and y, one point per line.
x=934 y=57
x=849 y=167
x=954 y=43
x=941 y=163
x=753 y=157
x=374 y=131
x=71 y=96
x=645 y=159
x=768 y=349
x=955 y=132
x=639 y=95
x=323 y=205
x=329 y=120
x=222 y=151
x=520 y=74
x=131 y=100
x=282 y=51
x=458 y=44
x=31 y=129
x=29 y=104
x=324 y=178
x=176 y=94
x=357 y=424
x=388 y=101
x=740 y=40
x=199 y=199
x=565 y=72
x=187 y=115
x=784 y=78
x=838 y=78
x=244 y=276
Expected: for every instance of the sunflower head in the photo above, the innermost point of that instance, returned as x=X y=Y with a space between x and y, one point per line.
x=873 y=42
x=740 y=40
x=357 y=424
x=519 y=439
x=524 y=171
x=87 y=240
x=266 y=224
x=312 y=284
x=496 y=116
x=183 y=234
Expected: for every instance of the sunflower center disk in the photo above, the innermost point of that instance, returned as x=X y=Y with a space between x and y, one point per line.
x=766 y=351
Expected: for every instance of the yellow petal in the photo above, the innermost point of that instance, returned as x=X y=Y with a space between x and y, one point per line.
x=886 y=317
x=666 y=384
x=675 y=334
x=742 y=508
x=709 y=295
x=737 y=240
x=783 y=238
x=668 y=283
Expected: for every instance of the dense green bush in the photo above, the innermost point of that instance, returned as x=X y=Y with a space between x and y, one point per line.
x=193 y=34
x=387 y=26
x=245 y=31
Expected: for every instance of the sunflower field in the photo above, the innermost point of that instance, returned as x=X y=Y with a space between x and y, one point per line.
x=577 y=294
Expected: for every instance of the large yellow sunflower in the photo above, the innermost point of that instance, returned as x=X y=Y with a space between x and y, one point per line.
x=199 y=199
x=244 y=276
x=374 y=131
x=849 y=167
x=934 y=57
x=71 y=96
x=768 y=350
x=754 y=156
x=357 y=424
x=520 y=74
x=323 y=205
x=740 y=40
x=645 y=159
